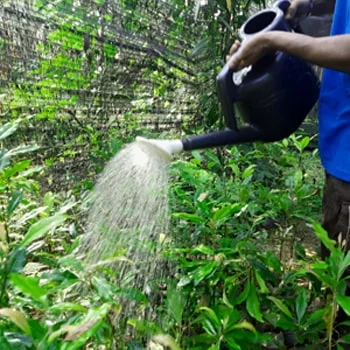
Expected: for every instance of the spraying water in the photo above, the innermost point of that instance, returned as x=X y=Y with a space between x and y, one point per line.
x=129 y=216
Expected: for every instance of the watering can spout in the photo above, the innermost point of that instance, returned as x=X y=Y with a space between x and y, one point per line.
x=167 y=148
x=164 y=148
x=226 y=137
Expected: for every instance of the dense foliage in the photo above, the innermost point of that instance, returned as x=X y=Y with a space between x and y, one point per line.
x=244 y=271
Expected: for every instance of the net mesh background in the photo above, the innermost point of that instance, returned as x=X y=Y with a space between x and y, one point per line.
x=78 y=72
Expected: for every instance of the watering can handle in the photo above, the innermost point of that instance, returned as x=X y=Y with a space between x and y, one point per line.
x=226 y=88
x=227 y=95
x=284 y=5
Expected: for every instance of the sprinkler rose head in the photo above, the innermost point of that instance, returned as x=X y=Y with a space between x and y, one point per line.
x=163 y=148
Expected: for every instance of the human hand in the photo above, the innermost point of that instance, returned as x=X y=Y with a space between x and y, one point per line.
x=249 y=53
x=298 y=10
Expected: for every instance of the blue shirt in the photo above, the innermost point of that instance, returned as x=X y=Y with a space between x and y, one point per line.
x=334 y=107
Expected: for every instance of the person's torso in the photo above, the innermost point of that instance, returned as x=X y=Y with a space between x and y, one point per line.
x=334 y=107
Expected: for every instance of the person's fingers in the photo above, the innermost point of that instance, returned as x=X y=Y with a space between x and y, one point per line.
x=291 y=12
x=235 y=47
x=234 y=62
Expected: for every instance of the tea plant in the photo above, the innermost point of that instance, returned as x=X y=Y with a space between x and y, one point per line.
x=31 y=280
x=227 y=284
x=221 y=208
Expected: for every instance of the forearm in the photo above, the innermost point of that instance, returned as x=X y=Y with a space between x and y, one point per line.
x=329 y=52
x=323 y=7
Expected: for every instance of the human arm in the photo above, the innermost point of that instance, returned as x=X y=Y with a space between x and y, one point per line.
x=329 y=52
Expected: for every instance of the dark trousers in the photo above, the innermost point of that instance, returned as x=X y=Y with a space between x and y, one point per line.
x=336 y=214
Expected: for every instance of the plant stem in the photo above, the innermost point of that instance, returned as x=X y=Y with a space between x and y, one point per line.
x=3 y=286
x=7 y=236
x=332 y=319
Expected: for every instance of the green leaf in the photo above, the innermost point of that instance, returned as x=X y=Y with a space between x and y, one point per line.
x=285 y=142
x=6 y=345
x=209 y=327
x=4 y=161
x=319 y=266
x=16 y=168
x=13 y=203
x=232 y=343
x=281 y=306
x=286 y=323
x=71 y=262
x=27 y=173
x=273 y=261
x=253 y=304
x=144 y=326
x=39 y=330
x=225 y=213
x=261 y=283
x=229 y=5
x=345 y=339
x=248 y=171
x=244 y=295
x=203 y=250
x=49 y=201
x=322 y=234
x=41 y=228
x=23 y=149
x=195 y=219
x=210 y=321
x=226 y=300
x=235 y=168
x=8 y=129
x=133 y=294
x=28 y=286
x=16 y=260
x=201 y=48
x=345 y=263
x=300 y=304
x=341 y=288
x=18 y=318
x=326 y=279
x=244 y=325
x=176 y=304
x=316 y=317
x=304 y=142
x=67 y=306
x=203 y=272
x=184 y=281
x=229 y=281
x=344 y=302
x=104 y=289
x=213 y=157
x=86 y=328
x=30 y=215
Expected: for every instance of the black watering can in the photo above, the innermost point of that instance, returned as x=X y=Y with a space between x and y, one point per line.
x=273 y=97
